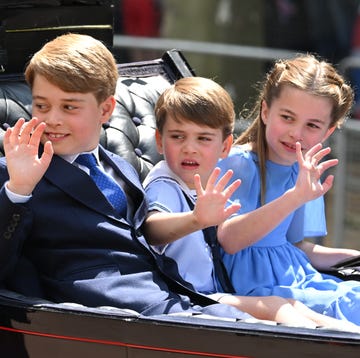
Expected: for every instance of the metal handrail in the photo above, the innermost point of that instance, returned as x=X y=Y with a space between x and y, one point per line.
x=210 y=48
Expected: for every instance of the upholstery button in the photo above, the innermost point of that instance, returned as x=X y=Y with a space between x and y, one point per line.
x=138 y=152
x=137 y=121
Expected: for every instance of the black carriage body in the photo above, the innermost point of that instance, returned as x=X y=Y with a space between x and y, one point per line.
x=32 y=329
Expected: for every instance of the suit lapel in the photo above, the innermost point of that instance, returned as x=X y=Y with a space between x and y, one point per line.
x=77 y=184
x=66 y=177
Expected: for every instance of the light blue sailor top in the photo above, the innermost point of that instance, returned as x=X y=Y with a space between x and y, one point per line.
x=165 y=193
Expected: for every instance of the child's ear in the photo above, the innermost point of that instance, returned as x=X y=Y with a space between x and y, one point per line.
x=264 y=111
x=107 y=108
x=227 y=143
x=158 y=139
x=329 y=132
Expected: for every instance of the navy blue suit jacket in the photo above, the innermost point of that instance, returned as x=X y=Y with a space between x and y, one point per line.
x=83 y=252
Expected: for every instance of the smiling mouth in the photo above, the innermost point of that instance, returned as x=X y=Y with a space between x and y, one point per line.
x=290 y=146
x=55 y=136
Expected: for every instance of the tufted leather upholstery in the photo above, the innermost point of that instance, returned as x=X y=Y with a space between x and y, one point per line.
x=130 y=131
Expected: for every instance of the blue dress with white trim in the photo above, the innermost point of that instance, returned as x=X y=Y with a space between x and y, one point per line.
x=274 y=265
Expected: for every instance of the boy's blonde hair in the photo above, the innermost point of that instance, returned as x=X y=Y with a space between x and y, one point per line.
x=75 y=63
x=306 y=73
x=199 y=100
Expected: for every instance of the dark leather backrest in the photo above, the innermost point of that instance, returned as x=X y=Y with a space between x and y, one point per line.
x=130 y=131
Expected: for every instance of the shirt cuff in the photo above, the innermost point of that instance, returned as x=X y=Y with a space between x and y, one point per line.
x=16 y=198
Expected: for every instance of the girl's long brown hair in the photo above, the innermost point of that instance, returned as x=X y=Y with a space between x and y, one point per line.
x=304 y=72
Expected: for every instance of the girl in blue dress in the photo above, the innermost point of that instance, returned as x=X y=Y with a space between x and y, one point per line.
x=278 y=159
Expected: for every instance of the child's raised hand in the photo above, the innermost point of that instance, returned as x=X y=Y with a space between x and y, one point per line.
x=211 y=204
x=21 y=145
x=311 y=169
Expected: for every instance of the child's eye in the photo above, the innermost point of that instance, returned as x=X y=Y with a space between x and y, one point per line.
x=40 y=106
x=313 y=125
x=286 y=117
x=177 y=136
x=205 y=139
x=69 y=107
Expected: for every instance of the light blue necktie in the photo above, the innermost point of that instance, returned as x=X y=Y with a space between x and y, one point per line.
x=107 y=185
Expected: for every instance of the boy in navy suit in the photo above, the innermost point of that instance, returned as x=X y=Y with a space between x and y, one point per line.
x=52 y=213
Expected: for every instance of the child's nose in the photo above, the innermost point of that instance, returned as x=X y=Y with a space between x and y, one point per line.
x=297 y=134
x=52 y=118
x=189 y=146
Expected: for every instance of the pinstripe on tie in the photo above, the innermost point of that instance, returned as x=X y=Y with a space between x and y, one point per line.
x=107 y=185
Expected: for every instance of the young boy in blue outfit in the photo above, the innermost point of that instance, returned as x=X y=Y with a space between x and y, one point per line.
x=195 y=119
